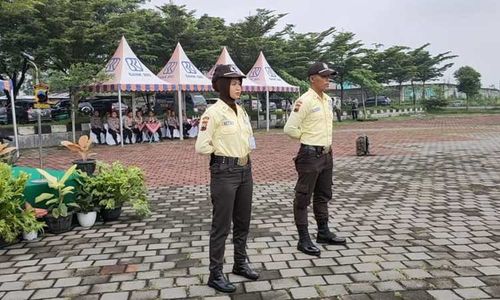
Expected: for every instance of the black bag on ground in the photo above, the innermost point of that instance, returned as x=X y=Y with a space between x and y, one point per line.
x=362 y=145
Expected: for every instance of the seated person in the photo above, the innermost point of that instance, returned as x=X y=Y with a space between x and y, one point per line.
x=96 y=126
x=114 y=126
x=153 y=126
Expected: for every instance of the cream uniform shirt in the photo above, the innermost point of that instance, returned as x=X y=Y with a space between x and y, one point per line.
x=224 y=133
x=311 y=120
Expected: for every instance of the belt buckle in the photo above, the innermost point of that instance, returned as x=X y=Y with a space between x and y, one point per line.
x=243 y=161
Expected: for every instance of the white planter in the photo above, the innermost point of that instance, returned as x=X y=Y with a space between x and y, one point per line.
x=86 y=220
x=30 y=236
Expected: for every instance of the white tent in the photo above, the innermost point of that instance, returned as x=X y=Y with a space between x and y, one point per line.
x=263 y=75
x=181 y=72
x=128 y=73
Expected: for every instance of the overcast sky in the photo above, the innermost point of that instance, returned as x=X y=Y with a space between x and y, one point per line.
x=468 y=28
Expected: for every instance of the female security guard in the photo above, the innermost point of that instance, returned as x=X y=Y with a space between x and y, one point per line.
x=226 y=135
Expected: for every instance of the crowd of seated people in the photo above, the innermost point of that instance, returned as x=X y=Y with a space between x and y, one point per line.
x=139 y=128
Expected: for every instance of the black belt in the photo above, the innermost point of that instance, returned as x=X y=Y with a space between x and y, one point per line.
x=232 y=161
x=317 y=149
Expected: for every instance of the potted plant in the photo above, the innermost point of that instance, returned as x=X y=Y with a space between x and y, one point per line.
x=87 y=213
x=11 y=204
x=84 y=164
x=59 y=218
x=30 y=225
x=115 y=185
x=6 y=153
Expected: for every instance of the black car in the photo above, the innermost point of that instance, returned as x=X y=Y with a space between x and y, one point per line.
x=61 y=110
x=25 y=112
x=103 y=105
x=380 y=100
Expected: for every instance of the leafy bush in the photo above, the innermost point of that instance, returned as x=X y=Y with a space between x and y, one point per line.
x=55 y=202
x=13 y=218
x=115 y=185
x=434 y=103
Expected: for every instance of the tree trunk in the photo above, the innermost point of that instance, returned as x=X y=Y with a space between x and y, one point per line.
x=423 y=90
x=466 y=102
x=400 y=92
x=413 y=92
x=341 y=91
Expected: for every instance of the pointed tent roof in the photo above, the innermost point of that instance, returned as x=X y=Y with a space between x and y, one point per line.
x=225 y=59
x=262 y=74
x=128 y=73
x=183 y=73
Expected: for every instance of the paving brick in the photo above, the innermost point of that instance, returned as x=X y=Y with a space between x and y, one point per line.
x=173 y=293
x=468 y=281
x=444 y=295
x=257 y=286
x=46 y=293
x=17 y=295
x=304 y=292
x=115 y=296
x=64 y=282
x=201 y=290
x=75 y=291
x=471 y=293
x=144 y=295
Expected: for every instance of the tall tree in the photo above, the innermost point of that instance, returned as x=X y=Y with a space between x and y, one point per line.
x=344 y=54
x=469 y=82
x=428 y=67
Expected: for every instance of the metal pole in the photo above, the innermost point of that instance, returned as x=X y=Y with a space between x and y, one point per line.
x=179 y=97
x=72 y=98
x=39 y=111
x=267 y=110
x=14 y=121
x=120 y=113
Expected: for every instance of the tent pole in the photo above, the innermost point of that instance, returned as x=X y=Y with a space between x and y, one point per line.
x=179 y=97
x=267 y=110
x=14 y=121
x=120 y=114
x=73 y=114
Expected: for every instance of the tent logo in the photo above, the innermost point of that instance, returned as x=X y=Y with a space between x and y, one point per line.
x=189 y=67
x=254 y=72
x=134 y=64
x=112 y=64
x=169 y=68
x=270 y=72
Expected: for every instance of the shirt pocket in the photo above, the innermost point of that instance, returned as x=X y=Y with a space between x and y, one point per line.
x=228 y=129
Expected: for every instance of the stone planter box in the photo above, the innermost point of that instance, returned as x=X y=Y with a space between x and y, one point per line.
x=58 y=128
x=25 y=130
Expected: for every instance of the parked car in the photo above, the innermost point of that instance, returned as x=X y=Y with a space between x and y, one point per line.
x=25 y=112
x=211 y=101
x=103 y=105
x=380 y=100
x=61 y=109
x=195 y=103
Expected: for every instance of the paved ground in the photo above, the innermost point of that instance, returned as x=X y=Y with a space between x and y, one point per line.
x=422 y=218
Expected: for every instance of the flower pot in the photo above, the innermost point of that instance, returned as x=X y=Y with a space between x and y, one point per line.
x=87 y=219
x=87 y=166
x=30 y=236
x=59 y=225
x=111 y=214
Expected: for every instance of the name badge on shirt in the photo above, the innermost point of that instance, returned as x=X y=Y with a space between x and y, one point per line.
x=228 y=123
x=316 y=109
x=251 y=142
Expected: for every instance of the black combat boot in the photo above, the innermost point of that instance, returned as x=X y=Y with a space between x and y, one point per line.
x=305 y=244
x=219 y=282
x=325 y=236
x=242 y=268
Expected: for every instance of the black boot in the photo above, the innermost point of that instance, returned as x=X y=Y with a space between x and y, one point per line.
x=325 y=236
x=242 y=268
x=305 y=244
x=220 y=283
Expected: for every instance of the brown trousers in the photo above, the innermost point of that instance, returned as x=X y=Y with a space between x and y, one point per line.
x=315 y=179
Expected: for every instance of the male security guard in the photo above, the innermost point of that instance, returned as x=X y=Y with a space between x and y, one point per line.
x=226 y=135
x=311 y=123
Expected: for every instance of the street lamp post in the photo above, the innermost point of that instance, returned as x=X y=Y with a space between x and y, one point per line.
x=31 y=59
